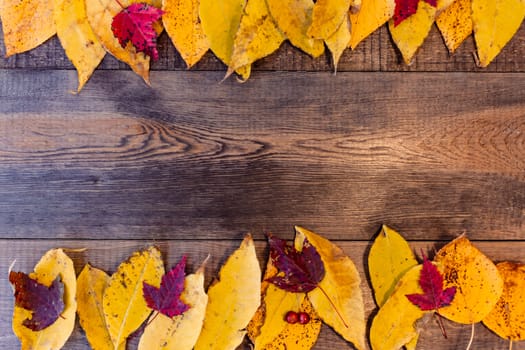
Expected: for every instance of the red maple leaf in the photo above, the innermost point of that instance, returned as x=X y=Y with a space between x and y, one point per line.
x=45 y=303
x=433 y=297
x=406 y=8
x=166 y=299
x=135 y=23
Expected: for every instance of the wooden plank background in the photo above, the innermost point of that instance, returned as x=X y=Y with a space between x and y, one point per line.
x=192 y=165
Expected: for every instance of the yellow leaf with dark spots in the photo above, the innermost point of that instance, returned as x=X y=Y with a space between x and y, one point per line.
x=26 y=24
x=455 y=23
x=123 y=302
x=507 y=318
x=54 y=263
x=232 y=300
x=373 y=14
x=338 y=299
x=81 y=45
x=476 y=278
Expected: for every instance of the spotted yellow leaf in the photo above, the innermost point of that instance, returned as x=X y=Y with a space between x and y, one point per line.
x=455 y=23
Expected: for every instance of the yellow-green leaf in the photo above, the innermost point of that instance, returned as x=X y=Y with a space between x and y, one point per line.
x=327 y=16
x=180 y=332
x=339 y=41
x=373 y=14
x=91 y=284
x=26 y=24
x=507 y=318
x=455 y=23
x=220 y=22
x=389 y=259
x=54 y=263
x=232 y=300
x=476 y=278
x=294 y=17
x=183 y=25
x=395 y=323
x=81 y=45
x=123 y=303
x=495 y=22
x=257 y=37
x=338 y=300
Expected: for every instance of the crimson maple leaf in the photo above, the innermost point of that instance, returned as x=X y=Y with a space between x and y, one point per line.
x=166 y=299
x=45 y=303
x=135 y=23
x=406 y=8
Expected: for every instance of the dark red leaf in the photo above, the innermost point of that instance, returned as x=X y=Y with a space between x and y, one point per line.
x=166 y=299
x=301 y=271
x=406 y=8
x=135 y=24
x=45 y=303
x=431 y=282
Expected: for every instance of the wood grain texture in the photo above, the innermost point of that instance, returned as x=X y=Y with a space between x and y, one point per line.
x=376 y=53
x=108 y=254
x=431 y=154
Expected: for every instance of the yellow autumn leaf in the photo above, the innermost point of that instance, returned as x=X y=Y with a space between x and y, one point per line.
x=507 y=318
x=338 y=300
x=182 y=23
x=339 y=41
x=257 y=37
x=410 y=34
x=373 y=14
x=81 y=45
x=54 y=263
x=100 y=14
x=395 y=323
x=220 y=22
x=26 y=24
x=294 y=17
x=232 y=300
x=123 y=302
x=455 y=23
x=327 y=17
x=91 y=284
x=495 y=22
x=180 y=332
x=476 y=278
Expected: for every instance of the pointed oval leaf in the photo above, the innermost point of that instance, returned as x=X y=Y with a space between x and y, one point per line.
x=294 y=17
x=507 y=318
x=179 y=332
x=81 y=45
x=339 y=41
x=232 y=300
x=124 y=306
x=476 y=279
x=455 y=23
x=183 y=25
x=23 y=33
x=327 y=17
x=344 y=311
x=55 y=263
x=373 y=14
x=389 y=258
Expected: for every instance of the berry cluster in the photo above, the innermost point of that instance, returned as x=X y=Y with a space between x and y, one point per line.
x=294 y=317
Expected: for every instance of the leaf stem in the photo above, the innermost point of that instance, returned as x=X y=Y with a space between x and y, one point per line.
x=471 y=337
x=510 y=344
x=333 y=306
x=440 y=323
x=120 y=4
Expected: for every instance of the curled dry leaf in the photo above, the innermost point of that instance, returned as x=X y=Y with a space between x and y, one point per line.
x=494 y=23
x=54 y=264
x=476 y=279
x=80 y=43
x=91 y=284
x=26 y=24
x=232 y=300
x=395 y=323
x=123 y=303
x=455 y=23
x=507 y=318
x=344 y=311
x=327 y=17
x=294 y=17
x=372 y=15
x=182 y=23
x=179 y=332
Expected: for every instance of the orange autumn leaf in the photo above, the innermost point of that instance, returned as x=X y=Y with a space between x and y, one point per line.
x=455 y=23
x=26 y=24
x=372 y=15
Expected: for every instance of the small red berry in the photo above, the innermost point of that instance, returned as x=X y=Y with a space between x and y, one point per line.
x=304 y=318
x=291 y=317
